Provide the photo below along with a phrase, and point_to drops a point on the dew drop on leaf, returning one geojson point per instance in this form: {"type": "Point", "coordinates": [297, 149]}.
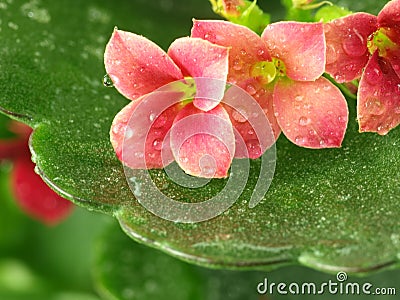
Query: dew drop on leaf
{"type": "Point", "coordinates": [107, 82]}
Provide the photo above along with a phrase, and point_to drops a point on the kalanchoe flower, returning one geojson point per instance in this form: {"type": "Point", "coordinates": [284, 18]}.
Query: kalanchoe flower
{"type": "Point", "coordinates": [366, 46]}
{"type": "Point", "coordinates": [34, 197]}
{"type": "Point", "coordinates": [138, 69]}
{"type": "Point", "coordinates": [282, 70]}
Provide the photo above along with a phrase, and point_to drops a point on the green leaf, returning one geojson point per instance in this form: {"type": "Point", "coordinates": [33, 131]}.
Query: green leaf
{"type": "Point", "coordinates": [125, 270]}
{"type": "Point", "coordinates": [249, 15]}
{"type": "Point", "coordinates": [333, 209]}
{"type": "Point", "coordinates": [329, 13]}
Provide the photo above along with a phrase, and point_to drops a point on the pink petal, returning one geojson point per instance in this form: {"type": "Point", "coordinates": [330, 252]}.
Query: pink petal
{"type": "Point", "coordinates": [202, 60]}
{"type": "Point", "coordinates": [378, 106]}
{"type": "Point", "coordinates": [301, 46]}
{"type": "Point", "coordinates": [136, 65]}
{"type": "Point", "coordinates": [34, 196]}
{"type": "Point", "coordinates": [389, 16]}
{"type": "Point", "coordinates": [247, 48]}
{"type": "Point", "coordinates": [311, 114]}
{"type": "Point", "coordinates": [346, 43]}
{"type": "Point", "coordinates": [253, 120]}
{"type": "Point", "coordinates": [203, 143]}
{"type": "Point", "coordinates": [138, 130]}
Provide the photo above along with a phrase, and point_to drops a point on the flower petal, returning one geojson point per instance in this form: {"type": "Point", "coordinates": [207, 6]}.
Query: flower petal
{"type": "Point", "coordinates": [203, 143]}
{"type": "Point", "coordinates": [247, 48]}
{"type": "Point", "coordinates": [253, 120]}
{"type": "Point", "coordinates": [301, 46]}
{"type": "Point", "coordinates": [378, 108]}
{"type": "Point", "coordinates": [136, 65]}
{"type": "Point", "coordinates": [346, 45]}
{"type": "Point", "coordinates": [389, 16]}
{"type": "Point", "coordinates": [138, 130]}
{"type": "Point", "coordinates": [311, 114]}
{"type": "Point", "coordinates": [202, 60]}
{"type": "Point", "coordinates": [34, 196]}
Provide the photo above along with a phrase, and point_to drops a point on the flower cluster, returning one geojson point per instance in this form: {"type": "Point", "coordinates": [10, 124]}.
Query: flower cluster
{"type": "Point", "coordinates": [281, 69]}
{"type": "Point", "coordinates": [368, 46]}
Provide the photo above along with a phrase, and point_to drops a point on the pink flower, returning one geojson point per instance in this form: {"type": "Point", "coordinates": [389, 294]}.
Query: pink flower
{"type": "Point", "coordinates": [31, 193]}
{"type": "Point", "coordinates": [282, 70]}
{"type": "Point", "coordinates": [138, 69]}
{"type": "Point", "coordinates": [366, 46]}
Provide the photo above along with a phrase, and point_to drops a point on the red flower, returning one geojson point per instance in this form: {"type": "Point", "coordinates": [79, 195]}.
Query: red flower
{"type": "Point", "coordinates": [138, 68]}
{"type": "Point", "coordinates": [366, 46]}
{"type": "Point", "coordinates": [282, 70]}
{"type": "Point", "coordinates": [34, 197]}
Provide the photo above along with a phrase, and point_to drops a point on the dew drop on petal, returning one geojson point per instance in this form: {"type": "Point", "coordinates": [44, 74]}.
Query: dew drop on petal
{"type": "Point", "coordinates": [374, 106]}
{"type": "Point", "coordinates": [299, 139]}
{"type": "Point", "coordinates": [253, 146]}
{"type": "Point", "coordinates": [304, 121]}
{"type": "Point", "coordinates": [397, 110]}
{"type": "Point", "coordinates": [331, 55]}
{"type": "Point", "coordinates": [354, 45]}
{"type": "Point", "coordinates": [240, 114]}
{"type": "Point", "coordinates": [251, 89]}
{"type": "Point", "coordinates": [237, 64]}
{"type": "Point", "coordinates": [157, 144]}
{"type": "Point", "coordinates": [373, 76]}
{"type": "Point", "coordinates": [152, 116]}
{"type": "Point", "coordinates": [299, 98]}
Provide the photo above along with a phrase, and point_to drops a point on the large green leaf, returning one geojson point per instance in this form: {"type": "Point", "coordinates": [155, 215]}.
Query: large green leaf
{"type": "Point", "coordinates": [330, 209]}
{"type": "Point", "coordinates": [127, 271]}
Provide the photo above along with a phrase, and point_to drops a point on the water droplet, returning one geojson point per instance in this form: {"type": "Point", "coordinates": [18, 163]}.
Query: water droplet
{"type": "Point", "coordinates": [251, 89]}
{"type": "Point", "coordinates": [208, 171]}
{"type": "Point", "coordinates": [13, 25]}
{"type": "Point", "coordinates": [250, 132]}
{"type": "Point", "coordinates": [397, 110]}
{"type": "Point", "coordinates": [107, 82]}
{"type": "Point", "coordinates": [152, 116]}
{"type": "Point", "coordinates": [322, 142]}
{"type": "Point", "coordinates": [139, 154]}
{"type": "Point", "coordinates": [299, 98]}
{"type": "Point", "coordinates": [312, 132]}
{"type": "Point", "coordinates": [331, 54]}
{"type": "Point", "coordinates": [375, 107]}
{"type": "Point", "coordinates": [157, 144]}
{"type": "Point", "coordinates": [243, 52]}
{"type": "Point", "coordinates": [142, 69]}
{"type": "Point", "coordinates": [373, 76]}
{"type": "Point", "coordinates": [240, 114]}
{"type": "Point", "coordinates": [342, 119]}
{"type": "Point", "coordinates": [254, 148]}
{"type": "Point", "coordinates": [237, 64]}
{"type": "Point", "coordinates": [354, 45]}
{"type": "Point", "coordinates": [184, 159]}
{"type": "Point", "coordinates": [260, 52]}
{"type": "Point", "coordinates": [304, 121]}
{"type": "Point", "coordinates": [299, 140]}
